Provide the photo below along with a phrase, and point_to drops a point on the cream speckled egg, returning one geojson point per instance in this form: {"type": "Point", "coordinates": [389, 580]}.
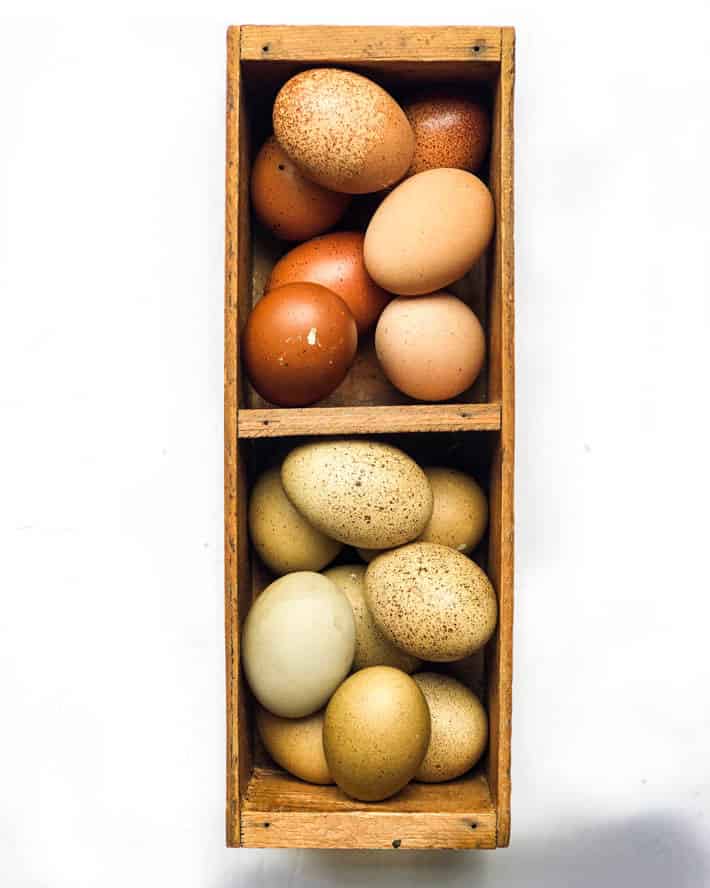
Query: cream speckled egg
{"type": "Point", "coordinates": [460, 512]}
{"type": "Point", "coordinates": [431, 601]}
{"type": "Point", "coordinates": [363, 493]}
{"type": "Point", "coordinates": [296, 744]}
{"type": "Point", "coordinates": [298, 643]}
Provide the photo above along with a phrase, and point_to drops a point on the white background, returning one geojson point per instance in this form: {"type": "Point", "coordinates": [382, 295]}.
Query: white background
{"type": "Point", "coordinates": [111, 658]}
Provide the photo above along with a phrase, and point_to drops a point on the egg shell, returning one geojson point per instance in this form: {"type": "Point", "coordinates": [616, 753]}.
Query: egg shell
{"type": "Point", "coordinates": [335, 261]}
{"type": "Point", "coordinates": [369, 554]}
{"type": "Point", "coordinates": [343, 130]}
{"type": "Point", "coordinates": [430, 347]}
{"type": "Point", "coordinates": [298, 643]}
{"type": "Point", "coordinates": [429, 232]}
{"type": "Point", "coordinates": [282, 537]}
{"type": "Point", "coordinates": [470, 671]}
{"type": "Point", "coordinates": [431, 601]}
{"type": "Point", "coordinates": [363, 493]}
{"type": "Point", "coordinates": [450, 130]}
{"type": "Point", "coordinates": [371, 646]}
{"type": "Point", "coordinates": [298, 344]}
{"type": "Point", "coordinates": [376, 733]}
{"type": "Point", "coordinates": [460, 513]}
{"type": "Point", "coordinates": [459, 728]}
{"type": "Point", "coordinates": [291, 206]}
{"type": "Point", "coordinates": [296, 744]}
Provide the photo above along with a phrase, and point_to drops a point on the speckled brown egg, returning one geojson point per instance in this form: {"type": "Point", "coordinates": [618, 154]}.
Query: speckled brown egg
{"type": "Point", "coordinates": [450, 130]}
{"type": "Point", "coordinates": [298, 344]}
{"type": "Point", "coordinates": [335, 261]}
{"type": "Point", "coordinates": [459, 728]}
{"type": "Point", "coordinates": [460, 512]}
{"type": "Point", "coordinates": [291, 206]}
{"type": "Point", "coordinates": [343, 130]}
{"type": "Point", "coordinates": [282, 537]}
{"type": "Point", "coordinates": [296, 744]}
{"type": "Point", "coordinates": [363, 493]}
{"type": "Point", "coordinates": [431, 601]}
{"type": "Point", "coordinates": [371, 647]}
{"type": "Point", "coordinates": [376, 733]}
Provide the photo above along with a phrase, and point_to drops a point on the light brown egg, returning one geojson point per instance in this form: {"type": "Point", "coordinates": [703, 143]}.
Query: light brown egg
{"type": "Point", "coordinates": [376, 733]}
{"type": "Point", "coordinates": [282, 537]}
{"type": "Point", "coordinates": [429, 232]}
{"type": "Point", "coordinates": [290, 205]}
{"type": "Point", "coordinates": [335, 261]}
{"type": "Point", "coordinates": [459, 728]}
{"type": "Point", "coordinates": [298, 344]}
{"type": "Point", "coordinates": [296, 744]}
{"type": "Point", "coordinates": [460, 512]}
{"type": "Point", "coordinates": [431, 601]}
{"type": "Point", "coordinates": [363, 493]}
{"type": "Point", "coordinates": [450, 130]}
{"type": "Point", "coordinates": [430, 347]}
{"type": "Point", "coordinates": [343, 130]}
{"type": "Point", "coordinates": [371, 647]}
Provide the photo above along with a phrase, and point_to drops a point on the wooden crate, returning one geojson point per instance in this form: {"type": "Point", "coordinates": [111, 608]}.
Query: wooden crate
{"type": "Point", "coordinates": [265, 806]}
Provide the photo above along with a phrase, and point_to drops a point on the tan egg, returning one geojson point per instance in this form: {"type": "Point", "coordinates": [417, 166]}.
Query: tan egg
{"type": "Point", "coordinates": [376, 733]}
{"type": "Point", "coordinates": [430, 347]}
{"type": "Point", "coordinates": [450, 130]}
{"type": "Point", "coordinates": [431, 601]}
{"type": "Point", "coordinates": [296, 744]}
{"type": "Point", "coordinates": [471, 670]}
{"type": "Point", "coordinates": [459, 728]}
{"type": "Point", "coordinates": [343, 130]}
{"type": "Point", "coordinates": [460, 511]}
{"type": "Point", "coordinates": [429, 232]}
{"type": "Point", "coordinates": [282, 537]}
{"type": "Point", "coordinates": [363, 493]}
{"type": "Point", "coordinates": [371, 647]}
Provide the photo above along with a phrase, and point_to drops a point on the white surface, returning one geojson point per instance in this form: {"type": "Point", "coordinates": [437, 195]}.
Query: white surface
{"type": "Point", "coordinates": [111, 664]}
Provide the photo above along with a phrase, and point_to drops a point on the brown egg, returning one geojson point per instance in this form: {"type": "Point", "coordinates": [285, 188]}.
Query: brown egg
{"type": "Point", "coordinates": [343, 130]}
{"type": "Point", "coordinates": [376, 733]}
{"type": "Point", "coordinates": [296, 744]}
{"type": "Point", "coordinates": [431, 347]}
{"type": "Point", "coordinates": [290, 205]}
{"type": "Point", "coordinates": [298, 344]}
{"type": "Point", "coordinates": [335, 261]}
{"type": "Point", "coordinates": [450, 130]}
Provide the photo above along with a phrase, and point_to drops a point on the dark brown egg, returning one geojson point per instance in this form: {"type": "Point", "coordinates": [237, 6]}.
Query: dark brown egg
{"type": "Point", "coordinates": [335, 261]}
{"type": "Point", "coordinates": [289, 205]}
{"type": "Point", "coordinates": [450, 130]}
{"type": "Point", "coordinates": [298, 344]}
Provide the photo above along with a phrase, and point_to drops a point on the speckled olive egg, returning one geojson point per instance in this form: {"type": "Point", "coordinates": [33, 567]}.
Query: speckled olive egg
{"type": "Point", "coordinates": [363, 493]}
{"type": "Point", "coordinates": [335, 261]}
{"type": "Point", "coordinates": [298, 643]}
{"type": "Point", "coordinates": [298, 344]}
{"type": "Point", "coordinates": [429, 232]}
{"type": "Point", "coordinates": [459, 728]}
{"type": "Point", "coordinates": [460, 512]}
{"type": "Point", "coordinates": [282, 537]}
{"type": "Point", "coordinates": [376, 733]}
{"type": "Point", "coordinates": [430, 347]}
{"type": "Point", "coordinates": [343, 130]}
{"type": "Point", "coordinates": [431, 601]}
{"type": "Point", "coordinates": [291, 206]}
{"type": "Point", "coordinates": [371, 646]}
{"type": "Point", "coordinates": [450, 130]}
{"type": "Point", "coordinates": [296, 744]}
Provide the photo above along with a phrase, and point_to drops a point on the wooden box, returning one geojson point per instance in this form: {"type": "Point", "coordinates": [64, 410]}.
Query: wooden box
{"type": "Point", "coordinates": [265, 806]}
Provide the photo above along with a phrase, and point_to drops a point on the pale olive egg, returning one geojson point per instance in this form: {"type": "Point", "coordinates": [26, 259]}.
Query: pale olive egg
{"type": "Point", "coordinates": [431, 601]}
{"type": "Point", "coordinates": [298, 643]}
{"type": "Point", "coordinates": [371, 647]}
{"type": "Point", "coordinates": [363, 493]}
{"type": "Point", "coordinates": [343, 130]}
{"type": "Point", "coordinates": [460, 512]}
{"type": "Point", "coordinates": [429, 232]}
{"type": "Point", "coordinates": [282, 537]}
{"type": "Point", "coordinates": [459, 728]}
{"type": "Point", "coordinates": [376, 733]}
{"type": "Point", "coordinates": [296, 744]}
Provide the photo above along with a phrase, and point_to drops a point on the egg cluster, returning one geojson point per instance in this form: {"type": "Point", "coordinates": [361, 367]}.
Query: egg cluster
{"type": "Point", "coordinates": [336, 658]}
{"type": "Point", "coordinates": [338, 135]}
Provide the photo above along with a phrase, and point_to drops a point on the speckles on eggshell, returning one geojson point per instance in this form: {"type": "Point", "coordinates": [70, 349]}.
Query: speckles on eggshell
{"type": "Point", "coordinates": [450, 130]}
